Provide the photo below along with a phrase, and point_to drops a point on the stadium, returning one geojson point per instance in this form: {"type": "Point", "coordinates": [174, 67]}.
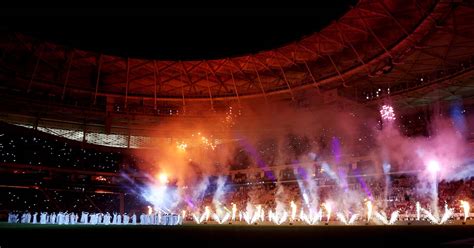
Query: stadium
{"type": "Point", "coordinates": [349, 124]}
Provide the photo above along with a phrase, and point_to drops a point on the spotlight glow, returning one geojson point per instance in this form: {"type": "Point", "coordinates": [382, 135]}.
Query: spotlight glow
{"type": "Point", "coordinates": [433, 166]}
{"type": "Point", "coordinates": [162, 178]}
{"type": "Point", "coordinates": [150, 210]}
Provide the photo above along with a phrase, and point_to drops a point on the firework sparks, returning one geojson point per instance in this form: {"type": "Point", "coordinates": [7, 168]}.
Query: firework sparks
{"type": "Point", "coordinates": [207, 143]}
{"type": "Point", "coordinates": [231, 116]}
{"type": "Point", "coordinates": [387, 113]}
{"type": "Point", "coordinates": [181, 146]}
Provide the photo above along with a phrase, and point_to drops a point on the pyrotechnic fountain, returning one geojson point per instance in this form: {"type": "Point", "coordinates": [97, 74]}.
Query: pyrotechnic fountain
{"type": "Point", "coordinates": [466, 209]}
{"type": "Point", "coordinates": [369, 210]}
{"type": "Point", "coordinates": [220, 220]}
{"type": "Point", "coordinates": [347, 221]}
{"type": "Point", "coordinates": [234, 211]}
{"type": "Point", "coordinates": [312, 217]}
{"type": "Point", "coordinates": [204, 216]}
{"type": "Point", "coordinates": [382, 217]}
{"type": "Point", "coordinates": [448, 212]}
{"type": "Point", "coordinates": [418, 211]}
{"type": "Point", "coordinates": [293, 211]}
{"type": "Point", "coordinates": [433, 168]}
{"type": "Point", "coordinates": [277, 218]}
{"type": "Point", "coordinates": [252, 215]}
{"type": "Point", "coordinates": [328, 208]}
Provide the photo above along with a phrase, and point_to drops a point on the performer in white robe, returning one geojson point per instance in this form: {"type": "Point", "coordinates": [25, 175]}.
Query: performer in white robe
{"type": "Point", "coordinates": [66, 218]}
{"type": "Point", "coordinates": [96, 218]}
{"type": "Point", "coordinates": [53, 218]}
{"type": "Point", "coordinates": [150, 220]}
{"type": "Point", "coordinates": [27, 217]}
{"type": "Point", "coordinates": [92, 219]}
{"type": "Point", "coordinates": [126, 219]}
{"type": "Point", "coordinates": [23, 218]}
{"type": "Point", "coordinates": [60, 218]}
{"type": "Point", "coordinates": [134, 219]}
{"type": "Point", "coordinates": [35, 220]}
{"type": "Point", "coordinates": [11, 217]}
{"type": "Point", "coordinates": [119, 219]}
{"type": "Point", "coordinates": [156, 219]}
{"type": "Point", "coordinates": [114, 220]}
{"type": "Point", "coordinates": [42, 218]}
{"type": "Point", "coordinates": [72, 218]}
{"type": "Point", "coordinates": [85, 217]}
{"type": "Point", "coordinates": [100, 218]}
{"type": "Point", "coordinates": [142, 222]}
{"type": "Point", "coordinates": [107, 219]}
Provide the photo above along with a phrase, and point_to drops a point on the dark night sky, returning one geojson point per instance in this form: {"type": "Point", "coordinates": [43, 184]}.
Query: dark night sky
{"type": "Point", "coordinates": [176, 34]}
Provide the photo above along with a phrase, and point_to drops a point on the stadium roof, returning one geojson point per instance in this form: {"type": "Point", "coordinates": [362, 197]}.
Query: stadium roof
{"type": "Point", "coordinates": [377, 49]}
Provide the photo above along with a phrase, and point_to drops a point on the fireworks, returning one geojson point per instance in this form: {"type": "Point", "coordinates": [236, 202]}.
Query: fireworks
{"type": "Point", "coordinates": [387, 113]}
{"type": "Point", "coordinates": [208, 144]}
